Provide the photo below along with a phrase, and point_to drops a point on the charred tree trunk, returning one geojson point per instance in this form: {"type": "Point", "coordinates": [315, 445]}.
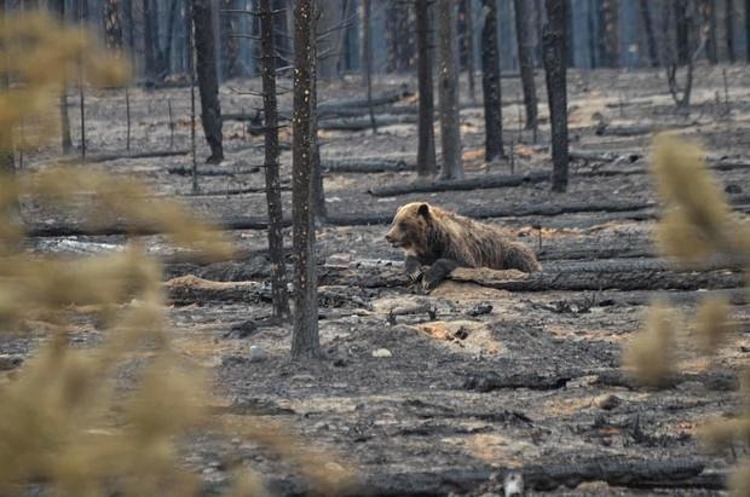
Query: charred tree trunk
{"type": "Point", "coordinates": [682, 30]}
{"type": "Point", "coordinates": [208, 79]}
{"type": "Point", "coordinates": [230, 43]}
{"type": "Point", "coordinates": [112, 24]}
{"type": "Point", "coordinates": [128, 13]}
{"type": "Point", "coordinates": [708, 15]}
{"type": "Point", "coordinates": [493, 117]}
{"type": "Point", "coordinates": [448, 87]}
{"type": "Point", "coordinates": [367, 59]}
{"type": "Point", "coordinates": [747, 30]}
{"type": "Point", "coordinates": [555, 41]}
{"type": "Point", "coordinates": [320, 213]}
{"type": "Point", "coordinates": [280, 297]}
{"type": "Point", "coordinates": [329, 24]}
{"type": "Point", "coordinates": [67, 143]}
{"type": "Point", "coordinates": [305, 339]}
{"type": "Point", "coordinates": [609, 38]}
{"type": "Point", "coordinates": [526, 61]}
{"type": "Point", "coordinates": [648, 27]}
{"type": "Point", "coordinates": [729, 18]}
{"type": "Point", "coordinates": [165, 56]}
{"type": "Point", "coordinates": [467, 47]}
{"type": "Point", "coordinates": [426, 165]}
{"type": "Point", "coordinates": [150, 38]}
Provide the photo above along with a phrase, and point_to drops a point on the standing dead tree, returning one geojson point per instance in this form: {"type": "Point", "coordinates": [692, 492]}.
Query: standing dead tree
{"type": "Point", "coordinates": [305, 339]}
{"type": "Point", "coordinates": [426, 165]}
{"type": "Point", "coordinates": [367, 58]}
{"type": "Point", "coordinates": [448, 90]}
{"type": "Point", "coordinates": [493, 116]}
{"type": "Point", "coordinates": [648, 27]}
{"type": "Point", "coordinates": [467, 45]}
{"type": "Point", "coordinates": [208, 78]}
{"type": "Point", "coordinates": [526, 61]}
{"type": "Point", "coordinates": [67, 143]}
{"type": "Point", "coordinates": [555, 42]}
{"type": "Point", "coordinates": [280, 297]}
{"type": "Point", "coordinates": [682, 95]}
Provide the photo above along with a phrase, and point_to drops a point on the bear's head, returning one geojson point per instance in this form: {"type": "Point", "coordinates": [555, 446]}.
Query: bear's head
{"type": "Point", "coordinates": [410, 228]}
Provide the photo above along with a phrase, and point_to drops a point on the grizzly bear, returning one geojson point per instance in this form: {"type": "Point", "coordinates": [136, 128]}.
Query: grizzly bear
{"type": "Point", "coordinates": [431, 236]}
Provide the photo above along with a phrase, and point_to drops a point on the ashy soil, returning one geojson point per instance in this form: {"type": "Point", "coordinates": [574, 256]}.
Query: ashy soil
{"type": "Point", "coordinates": [443, 393]}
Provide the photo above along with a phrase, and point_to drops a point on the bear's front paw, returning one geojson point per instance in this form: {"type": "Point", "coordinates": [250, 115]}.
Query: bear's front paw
{"type": "Point", "coordinates": [413, 269]}
{"type": "Point", "coordinates": [431, 279]}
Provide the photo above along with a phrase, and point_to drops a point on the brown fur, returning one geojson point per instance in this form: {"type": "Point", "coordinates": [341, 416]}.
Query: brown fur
{"type": "Point", "coordinates": [429, 233]}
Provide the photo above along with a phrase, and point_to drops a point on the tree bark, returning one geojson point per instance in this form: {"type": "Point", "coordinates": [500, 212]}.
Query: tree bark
{"type": "Point", "coordinates": [747, 30]}
{"type": "Point", "coordinates": [208, 79]}
{"type": "Point", "coordinates": [112, 24]}
{"type": "Point", "coordinates": [320, 212]}
{"type": "Point", "coordinates": [367, 59]}
{"type": "Point", "coordinates": [526, 61]}
{"type": "Point", "coordinates": [280, 297]}
{"type": "Point", "coordinates": [448, 88]}
{"type": "Point", "coordinates": [328, 25]}
{"type": "Point", "coordinates": [708, 14]}
{"type": "Point", "coordinates": [682, 30]}
{"type": "Point", "coordinates": [150, 38]}
{"type": "Point", "coordinates": [67, 143]}
{"type": "Point", "coordinates": [305, 339]}
{"type": "Point", "coordinates": [426, 163]}
{"type": "Point", "coordinates": [468, 46]}
{"type": "Point", "coordinates": [555, 41]}
{"type": "Point", "coordinates": [493, 117]}
{"type": "Point", "coordinates": [648, 26]}
{"type": "Point", "coordinates": [729, 18]}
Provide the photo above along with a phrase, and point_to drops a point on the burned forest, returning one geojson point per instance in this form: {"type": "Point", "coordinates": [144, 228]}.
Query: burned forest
{"type": "Point", "coordinates": [375, 248]}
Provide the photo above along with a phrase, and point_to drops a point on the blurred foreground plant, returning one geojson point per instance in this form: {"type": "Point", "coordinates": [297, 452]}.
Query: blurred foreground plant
{"type": "Point", "coordinates": [64, 421]}
{"type": "Point", "coordinates": [697, 223]}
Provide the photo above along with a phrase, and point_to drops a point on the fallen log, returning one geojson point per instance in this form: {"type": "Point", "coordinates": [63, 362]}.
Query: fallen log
{"type": "Point", "coordinates": [213, 171]}
{"type": "Point", "coordinates": [633, 210]}
{"type": "Point", "coordinates": [488, 382]}
{"type": "Point", "coordinates": [603, 156]}
{"type": "Point", "coordinates": [363, 111]}
{"type": "Point", "coordinates": [106, 157]}
{"type": "Point", "coordinates": [615, 470]}
{"type": "Point", "coordinates": [362, 123]}
{"type": "Point", "coordinates": [606, 129]}
{"type": "Point", "coordinates": [385, 98]}
{"type": "Point", "coordinates": [366, 166]}
{"type": "Point", "coordinates": [617, 274]}
{"type": "Point", "coordinates": [474, 183]}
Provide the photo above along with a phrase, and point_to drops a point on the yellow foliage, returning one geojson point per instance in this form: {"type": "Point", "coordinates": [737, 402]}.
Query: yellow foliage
{"type": "Point", "coordinates": [648, 356]}
{"type": "Point", "coordinates": [62, 419]}
{"type": "Point", "coordinates": [712, 323]}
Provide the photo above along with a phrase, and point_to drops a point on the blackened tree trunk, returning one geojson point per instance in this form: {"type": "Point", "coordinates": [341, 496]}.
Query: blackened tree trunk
{"type": "Point", "coordinates": [648, 27]}
{"type": "Point", "coordinates": [708, 15]}
{"type": "Point", "coordinates": [165, 56]}
{"type": "Point", "coordinates": [280, 297]}
{"type": "Point", "coordinates": [468, 46]}
{"type": "Point", "coordinates": [67, 143]}
{"type": "Point", "coordinates": [112, 24]}
{"type": "Point", "coordinates": [130, 26]}
{"type": "Point", "coordinates": [328, 27]}
{"type": "Point", "coordinates": [731, 55]}
{"type": "Point", "coordinates": [229, 41]}
{"type": "Point", "coordinates": [150, 38]}
{"type": "Point", "coordinates": [555, 40]}
{"type": "Point", "coordinates": [682, 30]}
{"type": "Point", "coordinates": [493, 117]}
{"type": "Point", "coordinates": [367, 58]}
{"type": "Point", "coordinates": [448, 89]}
{"type": "Point", "coordinates": [305, 339]}
{"type": "Point", "coordinates": [426, 165]}
{"type": "Point", "coordinates": [526, 61]}
{"type": "Point", "coordinates": [747, 30]}
{"type": "Point", "coordinates": [208, 79]}
{"type": "Point", "coordinates": [320, 213]}
{"type": "Point", "coordinates": [609, 38]}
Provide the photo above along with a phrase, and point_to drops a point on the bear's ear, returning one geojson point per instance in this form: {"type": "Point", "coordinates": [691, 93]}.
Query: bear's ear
{"type": "Point", "coordinates": [424, 211]}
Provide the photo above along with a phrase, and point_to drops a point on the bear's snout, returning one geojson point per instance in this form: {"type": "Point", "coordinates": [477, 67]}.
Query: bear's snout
{"type": "Point", "coordinates": [389, 237]}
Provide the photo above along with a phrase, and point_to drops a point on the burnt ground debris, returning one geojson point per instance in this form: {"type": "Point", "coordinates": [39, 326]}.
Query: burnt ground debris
{"type": "Point", "coordinates": [531, 381]}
